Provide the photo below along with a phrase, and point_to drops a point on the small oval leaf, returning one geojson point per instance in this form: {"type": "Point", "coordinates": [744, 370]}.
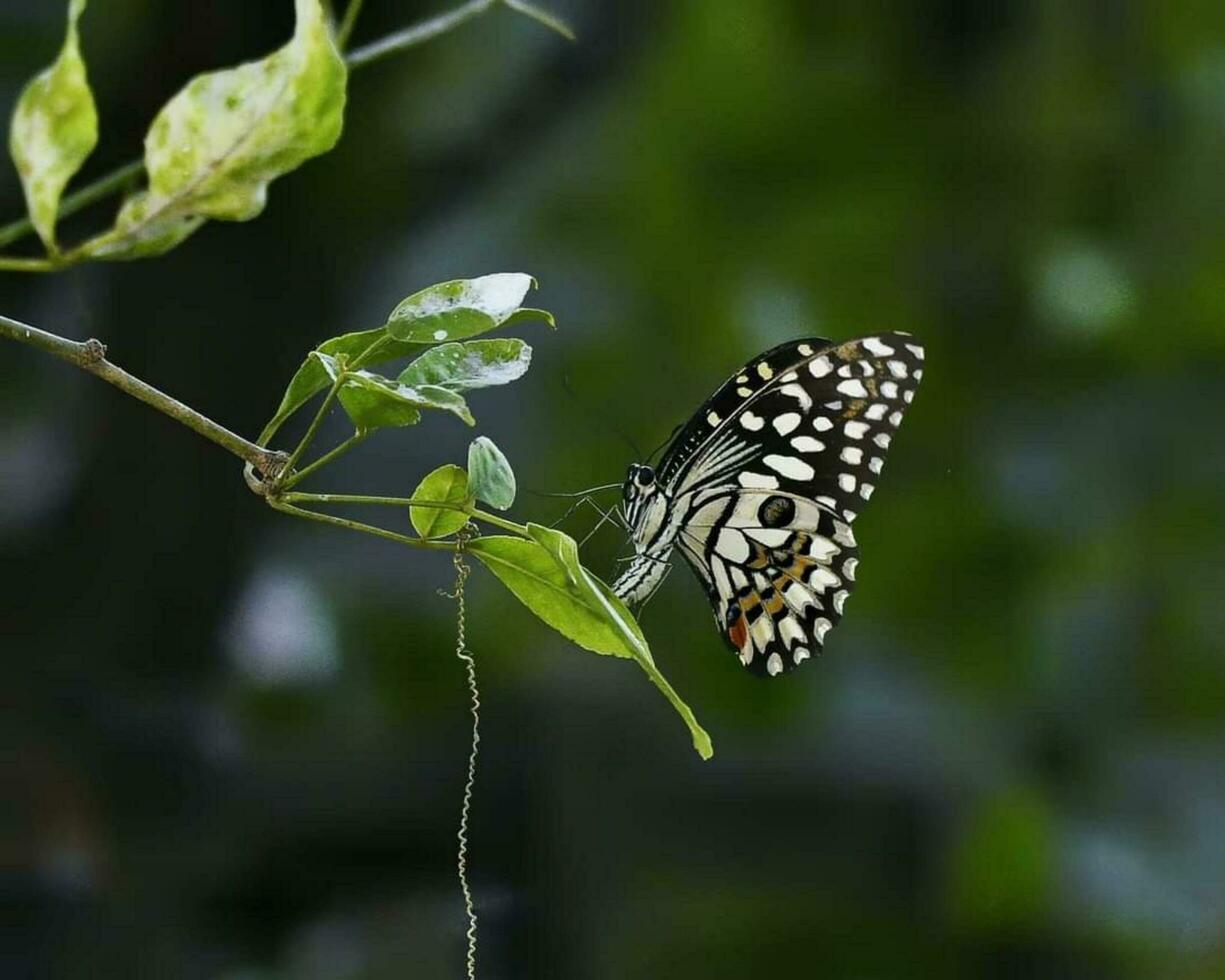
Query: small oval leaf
{"type": "Point", "coordinates": [472, 364]}
{"type": "Point", "coordinates": [215, 146]}
{"type": "Point", "coordinates": [448, 485]}
{"type": "Point", "coordinates": [54, 128]}
{"type": "Point", "coordinates": [490, 477]}
{"type": "Point", "coordinates": [459, 308]}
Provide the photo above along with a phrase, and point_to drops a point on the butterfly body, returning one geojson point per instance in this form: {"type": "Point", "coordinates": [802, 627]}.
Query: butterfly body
{"type": "Point", "coordinates": [760, 489]}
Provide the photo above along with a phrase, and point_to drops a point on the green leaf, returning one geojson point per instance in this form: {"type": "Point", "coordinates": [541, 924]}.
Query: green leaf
{"type": "Point", "coordinates": [311, 378]}
{"type": "Point", "coordinates": [546, 576]}
{"type": "Point", "coordinates": [460, 308]}
{"type": "Point", "coordinates": [374, 401]}
{"type": "Point", "coordinates": [490, 477]}
{"type": "Point", "coordinates": [215, 146]}
{"type": "Point", "coordinates": [54, 129]}
{"type": "Point", "coordinates": [472, 364]}
{"type": "Point", "coordinates": [526, 314]}
{"type": "Point", "coordinates": [449, 485]}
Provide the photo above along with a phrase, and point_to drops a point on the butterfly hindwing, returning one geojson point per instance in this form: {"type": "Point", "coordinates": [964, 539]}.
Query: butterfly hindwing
{"type": "Point", "coordinates": [777, 568]}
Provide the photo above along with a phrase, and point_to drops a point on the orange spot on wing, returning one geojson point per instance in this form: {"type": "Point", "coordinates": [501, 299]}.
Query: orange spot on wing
{"type": "Point", "coordinates": [738, 632]}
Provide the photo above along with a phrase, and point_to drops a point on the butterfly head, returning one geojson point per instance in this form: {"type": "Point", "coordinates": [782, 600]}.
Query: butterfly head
{"type": "Point", "coordinates": [640, 487]}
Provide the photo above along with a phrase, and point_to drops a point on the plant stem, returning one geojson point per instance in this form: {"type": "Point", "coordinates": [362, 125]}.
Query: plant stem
{"type": "Point", "coordinates": [278, 503]}
{"type": "Point", "coordinates": [314, 426]}
{"type": "Point", "coordinates": [323, 460]}
{"type": "Point", "coordinates": [501, 522]}
{"type": "Point", "coordinates": [416, 34]}
{"type": "Point", "coordinates": [358, 498]}
{"type": "Point", "coordinates": [100, 188]}
{"type": "Point", "coordinates": [361, 498]}
{"type": "Point", "coordinates": [555, 24]}
{"type": "Point", "coordinates": [11, 263]}
{"type": "Point", "coordinates": [409, 37]}
{"type": "Point", "coordinates": [347, 23]}
{"type": "Point", "coordinates": [91, 356]}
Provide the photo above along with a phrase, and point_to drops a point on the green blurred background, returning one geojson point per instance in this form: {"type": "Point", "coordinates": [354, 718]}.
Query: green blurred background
{"type": "Point", "coordinates": [237, 741]}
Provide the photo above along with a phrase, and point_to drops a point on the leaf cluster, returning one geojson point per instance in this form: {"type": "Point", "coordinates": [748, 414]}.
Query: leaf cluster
{"type": "Point", "coordinates": [435, 330]}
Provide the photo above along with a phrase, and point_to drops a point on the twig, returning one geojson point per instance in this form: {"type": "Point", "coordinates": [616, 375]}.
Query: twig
{"type": "Point", "coordinates": [91, 356]}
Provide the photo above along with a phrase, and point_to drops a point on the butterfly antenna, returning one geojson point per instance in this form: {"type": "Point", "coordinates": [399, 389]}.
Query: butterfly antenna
{"type": "Point", "coordinates": [575, 493]}
{"type": "Point", "coordinates": [600, 422]}
{"type": "Point", "coordinates": [671, 435]}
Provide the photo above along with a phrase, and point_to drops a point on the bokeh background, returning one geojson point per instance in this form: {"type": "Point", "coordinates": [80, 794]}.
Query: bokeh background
{"type": "Point", "coordinates": [235, 742]}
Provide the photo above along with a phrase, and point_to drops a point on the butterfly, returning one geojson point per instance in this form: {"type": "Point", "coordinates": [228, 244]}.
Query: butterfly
{"type": "Point", "coordinates": [760, 489]}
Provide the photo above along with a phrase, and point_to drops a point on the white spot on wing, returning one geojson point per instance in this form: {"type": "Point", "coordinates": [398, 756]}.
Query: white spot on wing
{"type": "Point", "coordinates": [916, 350]}
{"type": "Point", "coordinates": [804, 349]}
{"type": "Point", "coordinates": [797, 392]}
{"type": "Point", "coordinates": [821, 547]}
{"type": "Point", "coordinates": [789, 466]}
{"type": "Point", "coordinates": [752, 422]}
{"type": "Point", "coordinates": [897, 369]}
{"type": "Point", "coordinates": [764, 371]}
{"type": "Point", "coordinates": [821, 578]}
{"type": "Point", "coordinates": [820, 367]}
{"type": "Point", "coordinates": [854, 388]}
{"type": "Point", "coordinates": [876, 412]}
{"type": "Point", "coordinates": [713, 418]}
{"type": "Point", "coordinates": [822, 424]}
{"type": "Point", "coordinates": [774, 665]}
{"type": "Point", "coordinates": [807, 444]}
{"type": "Point", "coordinates": [732, 545]}
{"type": "Point", "coordinates": [852, 455]}
{"type": "Point", "coordinates": [855, 430]}
{"type": "Point", "coordinates": [876, 346]}
{"type": "Point", "coordinates": [758, 481]}
{"type": "Point", "coordinates": [846, 481]}
{"type": "Point", "coordinates": [786, 422]}
{"type": "Point", "coordinates": [771, 537]}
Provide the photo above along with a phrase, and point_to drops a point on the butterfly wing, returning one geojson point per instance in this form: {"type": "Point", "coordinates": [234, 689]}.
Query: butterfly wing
{"type": "Point", "coordinates": [771, 473]}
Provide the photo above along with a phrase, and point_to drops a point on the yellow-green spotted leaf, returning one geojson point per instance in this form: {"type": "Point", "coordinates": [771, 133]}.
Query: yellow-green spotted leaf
{"type": "Point", "coordinates": [490, 477]}
{"type": "Point", "coordinates": [545, 574]}
{"type": "Point", "coordinates": [215, 146]}
{"type": "Point", "coordinates": [447, 485]}
{"type": "Point", "coordinates": [54, 128]}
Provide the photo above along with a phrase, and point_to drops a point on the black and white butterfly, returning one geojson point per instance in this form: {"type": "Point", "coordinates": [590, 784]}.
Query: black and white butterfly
{"type": "Point", "coordinates": [760, 489]}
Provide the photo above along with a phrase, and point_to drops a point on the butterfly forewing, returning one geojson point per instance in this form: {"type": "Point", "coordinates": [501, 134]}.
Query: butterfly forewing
{"type": "Point", "coordinates": [768, 477]}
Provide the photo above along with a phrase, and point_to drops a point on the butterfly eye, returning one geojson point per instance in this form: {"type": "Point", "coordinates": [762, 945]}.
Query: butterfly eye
{"type": "Point", "coordinates": [644, 476]}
